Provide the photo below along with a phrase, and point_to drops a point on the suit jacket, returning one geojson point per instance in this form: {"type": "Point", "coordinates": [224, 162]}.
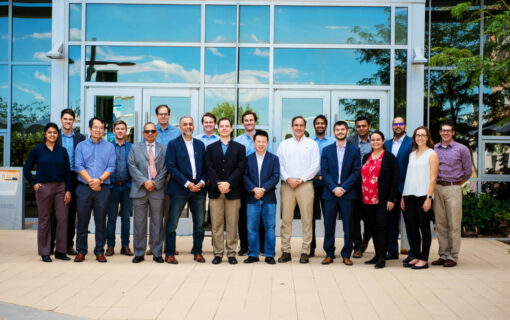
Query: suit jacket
{"type": "Point", "coordinates": [229, 167]}
{"type": "Point", "coordinates": [269, 176]}
{"type": "Point", "coordinates": [353, 139]}
{"type": "Point", "coordinates": [179, 166]}
{"type": "Point", "coordinates": [389, 177]}
{"type": "Point", "coordinates": [77, 138]}
{"type": "Point", "coordinates": [349, 176]}
{"type": "Point", "coordinates": [138, 163]}
{"type": "Point", "coordinates": [402, 157]}
{"type": "Point", "coordinates": [114, 174]}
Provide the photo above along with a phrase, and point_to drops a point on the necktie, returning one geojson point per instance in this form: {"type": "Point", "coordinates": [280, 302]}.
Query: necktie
{"type": "Point", "coordinates": [152, 163]}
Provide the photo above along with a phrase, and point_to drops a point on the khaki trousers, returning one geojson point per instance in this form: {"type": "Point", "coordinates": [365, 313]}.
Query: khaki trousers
{"type": "Point", "coordinates": [223, 210]}
{"type": "Point", "coordinates": [448, 214]}
{"type": "Point", "coordinates": [303, 195]}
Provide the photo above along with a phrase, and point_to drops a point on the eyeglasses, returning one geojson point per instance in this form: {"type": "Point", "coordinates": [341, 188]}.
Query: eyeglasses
{"type": "Point", "coordinates": [163, 114]}
{"type": "Point", "coordinates": [149, 131]}
{"type": "Point", "coordinates": [422, 136]}
{"type": "Point", "coordinates": [398, 124]}
{"type": "Point", "coordinates": [97, 128]}
{"type": "Point", "coordinates": [446, 131]}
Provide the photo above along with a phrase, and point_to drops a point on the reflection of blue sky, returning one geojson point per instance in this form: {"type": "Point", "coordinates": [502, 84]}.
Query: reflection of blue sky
{"type": "Point", "coordinates": [179, 106]}
{"type": "Point", "coordinates": [215, 97]}
{"type": "Point", "coordinates": [321, 66]}
{"type": "Point", "coordinates": [400, 25]}
{"type": "Point", "coordinates": [75, 21]}
{"type": "Point", "coordinates": [220, 65]}
{"type": "Point", "coordinates": [258, 99]}
{"type": "Point", "coordinates": [124, 109]}
{"type": "Point", "coordinates": [308, 108]}
{"type": "Point", "coordinates": [4, 91]}
{"type": "Point", "coordinates": [31, 36]}
{"type": "Point", "coordinates": [74, 78]}
{"type": "Point", "coordinates": [253, 65]}
{"type": "Point", "coordinates": [153, 64]}
{"type": "Point", "coordinates": [4, 30]}
{"type": "Point", "coordinates": [254, 24]}
{"type": "Point", "coordinates": [31, 85]}
{"type": "Point", "coordinates": [328, 24]}
{"type": "Point", "coordinates": [220, 23]}
{"type": "Point", "coordinates": [131, 22]}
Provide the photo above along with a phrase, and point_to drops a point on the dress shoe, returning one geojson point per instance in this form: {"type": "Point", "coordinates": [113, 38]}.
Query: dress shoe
{"type": "Point", "coordinates": [449, 263]}
{"type": "Point", "coordinates": [312, 254]}
{"type": "Point", "coordinates": [304, 258]}
{"type": "Point", "coordinates": [284, 257]}
{"type": "Point", "coordinates": [392, 256]}
{"type": "Point", "coordinates": [101, 258]}
{"type": "Point", "coordinates": [242, 252]}
{"type": "Point", "coordinates": [61, 256]}
{"type": "Point", "coordinates": [372, 261]}
{"type": "Point", "coordinates": [126, 251]}
{"type": "Point", "coordinates": [415, 267]}
{"type": "Point", "coordinates": [71, 251]}
{"type": "Point", "coordinates": [232, 260]}
{"type": "Point", "coordinates": [149, 252]}
{"type": "Point", "coordinates": [138, 259]}
{"type": "Point", "coordinates": [251, 259]}
{"type": "Point", "coordinates": [408, 259]}
{"type": "Point", "coordinates": [46, 258]}
{"type": "Point", "coordinates": [79, 257]}
{"type": "Point", "coordinates": [262, 252]}
{"type": "Point", "coordinates": [158, 259]}
{"type": "Point", "coordinates": [269, 260]}
{"type": "Point", "coordinates": [327, 260]}
{"type": "Point", "coordinates": [216, 260]}
{"type": "Point", "coordinates": [357, 254]}
{"type": "Point", "coordinates": [365, 245]}
{"type": "Point", "coordinates": [408, 265]}
{"type": "Point", "coordinates": [380, 264]}
{"type": "Point", "coordinates": [347, 262]}
{"type": "Point", "coordinates": [171, 259]}
{"type": "Point", "coordinates": [199, 258]}
{"type": "Point", "coordinates": [438, 262]}
{"type": "Point", "coordinates": [109, 252]}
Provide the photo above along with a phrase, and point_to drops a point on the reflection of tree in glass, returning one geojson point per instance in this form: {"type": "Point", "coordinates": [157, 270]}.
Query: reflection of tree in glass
{"type": "Point", "coordinates": [3, 113]}
{"type": "Point", "coordinates": [362, 35]}
{"type": "Point", "coordinates": [362, 107]}
{"type": "Point", "coordinates": [227, 109]}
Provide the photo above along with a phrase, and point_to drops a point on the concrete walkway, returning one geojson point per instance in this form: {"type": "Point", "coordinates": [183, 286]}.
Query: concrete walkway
{"type": "Point", "coordinates": [478, 288]}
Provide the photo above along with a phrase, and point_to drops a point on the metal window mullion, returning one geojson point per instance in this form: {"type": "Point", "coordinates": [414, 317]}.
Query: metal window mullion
{"type": "Point", "coordinates": [236, 75]}
{"type": "Point", "coordinates": [392, 66]}
{"type": "Point", "coordinates": [271, 111]}
{"type": "Point", "coordinates": [7, 140]}
{"type": "Point", "coordinates": [201, 92]}
{"type": "Point", "coordinates": [481, 155]}
{"type": "Point", "coordinates": [83, 58]}
{"type": "Point", "coordinates": [428, 69]}
{"type": "Point", "coordinates": [67, 15]}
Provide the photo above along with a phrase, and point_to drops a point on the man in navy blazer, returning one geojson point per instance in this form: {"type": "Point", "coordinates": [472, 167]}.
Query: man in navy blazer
{"type": "Point", "coordinates": [260, 179]}
{"type": "Point", "coordinates": [185, 163]}
{"type": "Point", "coordinates": [401, 146]}
{"type": "Point", "coordinates": [340, 167]}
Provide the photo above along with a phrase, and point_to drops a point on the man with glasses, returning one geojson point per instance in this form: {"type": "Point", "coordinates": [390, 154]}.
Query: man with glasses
{"type": "Point", "coordinates": [455, 168]}
{"type": "Point", "coordinates": [94, 162]}
{"type": "Point", "coordinates": [401, 146]}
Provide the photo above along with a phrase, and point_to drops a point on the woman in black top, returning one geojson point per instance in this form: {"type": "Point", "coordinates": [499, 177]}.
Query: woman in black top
{"type": "Point", "coordinates": [52, 187]}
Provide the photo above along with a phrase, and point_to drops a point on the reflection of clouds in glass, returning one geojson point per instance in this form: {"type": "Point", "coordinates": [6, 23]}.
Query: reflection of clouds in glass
{"type": "Point", "coordinates": [42, 77]}
{"type": "Point", "coordinates": [249, 95]}
{"type": "Point", "coordinates": [219, 38]}
{"type": "Point", "coordinates": [290, 72]}
{"type": "Point", "coordinates": [32, 92]}
{"type": "Point", "coordinates": [41, 56]}
{"type": "Point", "coordinates": [253, 76]}
{"type": "Point", "coordinates": [220, 94]}
{"type": "Point", "coordinates": [218, 21]}
{"type": "Point", "coordinates": [75, 8]}
{"type": "Point", "coordinates": [221, 78]}
{"type": "Point", "coordinates": [337, 27]}
{"type": "Point", "coordinates": [261, 52]}
{"type": "Point", "coordinates": [37, 35]}
{"type": "Point", "coordinates": [254, 38]}
{"type": "Point", "coordinates": [107, 53]}
{"type": "Point", "coordinates": [74, 34]}
{"type": "Point", "coordinates": [215, 51]}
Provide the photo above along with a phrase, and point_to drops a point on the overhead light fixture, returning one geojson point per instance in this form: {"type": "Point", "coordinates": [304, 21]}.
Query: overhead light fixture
{"type": "Point", "coordinates": [57, 52]}
{"type": "Point", "coordinates": [418, 57]}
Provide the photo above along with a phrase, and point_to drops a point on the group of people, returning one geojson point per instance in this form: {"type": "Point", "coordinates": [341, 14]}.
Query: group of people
{"type": "Point", "coordinates": [361, 177]}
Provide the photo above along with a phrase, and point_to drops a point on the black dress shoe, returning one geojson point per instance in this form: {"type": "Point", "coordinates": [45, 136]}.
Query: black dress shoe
{"type": "Point", "coordinates": [380, 264]}
{"type": "Point", "coordinates": [304, 258]}
{"type": "Point", "coordinates": [242, 252]}
{"type": "Point", "coordinates": [46, 258]}
{"type": "Point", "coordinates": [262, 252]}
{"type": "Point", "coordinates": [61, 256]}
{"type": "Point", "coordinates": [408, 265]}
{"type": "Point", "coordinates": [216, 260]}
{"type": "Point", "coordinates": [251, 259]}
{"type": "Point", "coordinates": [71, 251]}
{"type": "Point", "coordinates": [232, 260]}
{"type": "Point", "coordinates": [392, 256]}
{"type": "Point", "coordinates": [372, 261]}
{"type": "Point", "coordinates": [408, 259]}
{"type": "Point", "coordinates": [415, 267]}
{"type": "Point", "coordinates": [269, 260]}
{"type": "Point", "coordinates": [138, 259]}
{"type": "Point", "coordinates": [158, 259]}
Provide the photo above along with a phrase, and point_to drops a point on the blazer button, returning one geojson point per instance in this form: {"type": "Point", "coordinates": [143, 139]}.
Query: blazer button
{"type": "Point", "coordinates": [222, 169]}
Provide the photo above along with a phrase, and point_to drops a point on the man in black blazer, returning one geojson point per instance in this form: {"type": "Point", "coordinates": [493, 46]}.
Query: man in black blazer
{"type": "Point", "coordinates": [225, 163]}
{"type": "Point", "coordinates": [69, 139]}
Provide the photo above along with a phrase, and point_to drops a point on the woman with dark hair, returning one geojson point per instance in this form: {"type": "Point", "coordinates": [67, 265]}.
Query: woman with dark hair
{"type": "Point", "coordinates": [417, 196]}
{"type": "Point", "coordinates": [52, 187]}
{"type": "Point", "coordinates": [379, 183]}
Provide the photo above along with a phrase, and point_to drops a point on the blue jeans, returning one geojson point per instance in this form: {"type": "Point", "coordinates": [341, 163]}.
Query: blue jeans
{"type": "Point", "coordinates": [119, 195]}
{"type": "Point", "coordinates": [331, 209]}
{"type": "Point", "coordinates": [197, 207]}
{"type": "Point", "coordinates": [268, 213]}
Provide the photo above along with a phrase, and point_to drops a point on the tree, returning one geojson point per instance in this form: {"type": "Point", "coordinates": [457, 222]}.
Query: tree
{"type": "Point", "coordinates": [227, 109]}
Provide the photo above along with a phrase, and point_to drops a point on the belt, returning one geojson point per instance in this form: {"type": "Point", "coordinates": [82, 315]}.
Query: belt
{"type": "Point", "coordinates": [120, 183]}
{"type": "Point", "coordinates": [449, 183]}
{"type": "Point", "coordinates": [317, 178]}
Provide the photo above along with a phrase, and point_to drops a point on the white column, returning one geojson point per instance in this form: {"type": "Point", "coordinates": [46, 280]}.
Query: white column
{"type": "Point", "coordinates": [58, 94]}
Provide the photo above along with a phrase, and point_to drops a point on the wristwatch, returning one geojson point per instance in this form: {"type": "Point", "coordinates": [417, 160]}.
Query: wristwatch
{"type": "Point", "coordinates": [429, 197]}
{"type": "Point", "coordinates": [101, 180]}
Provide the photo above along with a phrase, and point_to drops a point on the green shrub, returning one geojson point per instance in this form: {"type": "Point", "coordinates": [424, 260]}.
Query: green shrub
{"type": "Point", "coordinates": [490, 216]}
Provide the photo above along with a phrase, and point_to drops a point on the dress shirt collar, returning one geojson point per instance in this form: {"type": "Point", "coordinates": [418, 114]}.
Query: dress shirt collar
{"type": "Point", "coordinates": [361, 141]}
{"type": "Point", "coordinates": [399, 140]}
{"type": "Point", "coordinates": [342, 148]}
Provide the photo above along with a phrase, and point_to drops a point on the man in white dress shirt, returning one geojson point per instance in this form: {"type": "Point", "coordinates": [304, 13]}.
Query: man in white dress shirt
{"type": "Point", "coordinates": [299, 163]}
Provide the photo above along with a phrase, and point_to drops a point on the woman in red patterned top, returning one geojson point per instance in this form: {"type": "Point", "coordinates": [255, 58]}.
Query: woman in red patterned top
{"type": "Point", "coordinates": [379, 183]}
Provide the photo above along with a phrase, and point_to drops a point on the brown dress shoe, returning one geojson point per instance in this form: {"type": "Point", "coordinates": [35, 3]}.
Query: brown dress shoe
{"type": "Point", "coordinates": [171, 259]}
{"type": "Point", "coordinates": [79, 257]}
{"type": "Point", "coordinates": [449, 264]}
{"type": "Point", "coordinates": [347, 262]}
{"type": "Point", "coordinates": [126, 251]}
{"type": "Point", "coordinates": [109, 252]}
{"type": "Point", "coordinates": [149, 252]}
{"type": "Point", "coordinates": [101, 258]}
{"type": "Point", "coordinates": [438, 262]}
{"type": "Point", "coordinates": [71, 251]}
{"type": "Point", "coordinates": [199, 258]}
{"type": "Point", "coordinates": [357, 254]}
{"type": "Point", "coordinates": [327, 260]}
{"type": "Point", "coordinates": [285, 257]}
{"type": "Point", "coordinates": [304, 258]}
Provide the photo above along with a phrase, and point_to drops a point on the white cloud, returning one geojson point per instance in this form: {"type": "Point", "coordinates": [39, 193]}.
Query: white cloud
{"type": "Point", "coordinates": [254, 38]}
{"type": "Point", "coordinates": [42, 77]}
{"type": "Point", "coordinates": [35, 94]}
{"type": "Point", "coordinates": [41, 56]}
{"type": "Point", "coordinates": [220, 94]}
{"type": "Point", "coordinates": [218, 21]}
{"type": "Point", "coordinates": [216, 52]}
{"type": "Point", "coordinates": [108, 54]}
{"type": "Point", "coordinates": [261, 52]}
{"type": "Point", "coordinates": [75, 8]}
{"type": "Point", "coordinates": [250, 95]}
{"type": "Point", "coordinates": [337, 27]}
{"type": "Point", "coordinates": [291, 72]}
{"type": "Point", "coordinates": [74, 34]}
{"type": "Point", "coordinates": [74, 69]}
{"type": "Point", "coordinates": [219, 38]}
{"type": "Point", "coordinates": [37, 35]}
{"type": "Point", "coordinates": [5, 37]}
{"type": "Point", "coordinates": [221, 78]}
{"type": "Point", "coordinates": [253, 76]}
{"type": "Point", "coordinates": [3, 86]}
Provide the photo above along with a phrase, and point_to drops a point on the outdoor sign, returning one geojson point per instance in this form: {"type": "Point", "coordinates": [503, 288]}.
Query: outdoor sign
{"type": "Point", "coordinates": [12, 210]}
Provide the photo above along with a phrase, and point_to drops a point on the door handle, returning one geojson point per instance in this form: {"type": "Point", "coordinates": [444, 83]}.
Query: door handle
{"type": "Point", "coordinates": [146, 117]}
{"type": "Point", "coordinates": [135, 131]}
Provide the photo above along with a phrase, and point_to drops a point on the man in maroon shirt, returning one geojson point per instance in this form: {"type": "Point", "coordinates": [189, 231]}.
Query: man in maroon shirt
{"type": "Point", "coordinates": [455, 169]}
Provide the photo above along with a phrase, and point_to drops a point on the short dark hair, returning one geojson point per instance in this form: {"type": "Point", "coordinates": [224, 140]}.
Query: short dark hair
{"type": "Point", "coordinates": [261, 133]}
{"type": "Point", "coordinates": [320, 116]}
{"type": "Point", "coordinates": [50, 125]}
{"type": "Point", "coordinates": [297, 117]}
{"type": "Point", "coordinates": [361, 118]}
{"type": "Point", "coordinates": [118, 122]}
{"type": "Point", "coordinates": [210, 115]}
{"type": "Point", "coordinates": [91, 121]}
{"type": "Point", "coordinates": [447, 123]}
{"type": "Point", "coordinates": [69, 112]}
{"type": "Point", "coordinates": [341, 123]}
{"type": "Point", "coordinates": [225, 119]}
{"type": "Point", "coordinates": [161, 106]}
{"type": "Point", "coordinates": [247, 113]}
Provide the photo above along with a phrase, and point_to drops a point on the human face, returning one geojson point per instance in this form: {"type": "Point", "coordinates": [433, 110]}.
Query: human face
{"type": "Point", "coordinates": [298, 127]}
{"type": "Point", "coordinates": [97, 130]}
{"type": "Point", "coordinates": [421, 137]}
{"type": "Point", "coordinates": [67, 121]}
{"type": "Point", "coordinates": [208, 123]}
{"type": "Point", "coordinates": [150, 133]}
{"type": "Point", "coordinates": [120, 131]}
{"type": "Point", "coordinates": [249, 123]}
{"type": "Point", "coordinates": [399, 126]}
{"type": "Point", "coordinates": [341, 132]}
{"type": "Point", "coordinates": [260, 144]}
{"type": "Point", "coordinates": [320, 126]}
{"type": "Point", "coordinates": [187, 127]}
{"type": "Point", "coordinates": [376, 142]}
{"type": "Point", "coordinates": [362, 128]}
{"type": "Point", "coordinates": [225, 129]}
{"type": "Point", "coordinates": [163, 116]}
{"type": "Point", "coordinates": [51, 135]}
{"type": "Point", "coordinates": [447, 134]}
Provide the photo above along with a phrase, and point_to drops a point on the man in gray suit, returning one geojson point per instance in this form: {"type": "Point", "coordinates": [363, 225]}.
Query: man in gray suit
{"type": "Point", "coordinates": [148, 171]}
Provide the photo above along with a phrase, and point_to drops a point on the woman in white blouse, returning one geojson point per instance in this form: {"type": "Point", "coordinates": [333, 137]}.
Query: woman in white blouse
{"type": "Point", "coordinates": [417, 196]}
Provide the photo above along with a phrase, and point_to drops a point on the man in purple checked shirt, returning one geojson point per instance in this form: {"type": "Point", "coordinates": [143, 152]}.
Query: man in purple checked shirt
{"type": "Point", "coordinates": [455, 168]}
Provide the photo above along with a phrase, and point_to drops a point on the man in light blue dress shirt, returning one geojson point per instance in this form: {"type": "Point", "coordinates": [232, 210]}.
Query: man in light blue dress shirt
{"type": "Point", "coordinates": [208, 124]}
{"type": "Point", "coordinates": [166, 132]}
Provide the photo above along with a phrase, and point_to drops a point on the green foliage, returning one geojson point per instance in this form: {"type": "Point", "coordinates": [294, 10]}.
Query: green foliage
{"type": "Point", "coordinates": [489, 215]}
{"type": "Point", "coordinates": [227, 109]}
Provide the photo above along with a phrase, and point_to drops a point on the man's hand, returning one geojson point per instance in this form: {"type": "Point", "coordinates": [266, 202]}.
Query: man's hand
{"type": "Point", "coordinates": [37, 186]}
{"type": "Point", "coordinates": [224, 187]}
{"type": "Point", "coordinates": [149, 185]}
{"type": "Point", "coordinates": [94, 184]}
{"type": "Point", "coordinates": [339, 191]}
{"type": "Point", "coordinates": [294, 183]}
{"type": "Point", "coordinates": [67, 197]}
{"type": "Point", "coordinates": [258, 193]}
